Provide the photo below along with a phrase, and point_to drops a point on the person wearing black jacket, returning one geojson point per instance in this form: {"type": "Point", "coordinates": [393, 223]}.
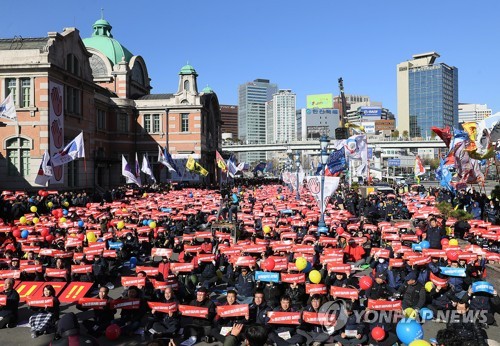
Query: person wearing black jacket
{"type": "Point", "coordinates": [278, 330]}
{"type": "Point", "coordinates": [9, 311]}
{"type": "Point", "coordinates": [413, 292]}
{"type": "Point", "coordinates": [259, 309]}
{"type": "Point", "coordinates": [166, 324]}
{"type": "Point", "coordinates": [435, 233]}
{"type": "Point", "coordinates": [102, 317]}
{"type": "Point", "coordinates": [314, 333]}
{"type": "Point", "coordinates": [199, 327]}
{"type": "Point", "coordinates": [380, 289]}
{"type": "Point", "coordinates": [221, 322]}
{"type": "Point", "coordinates": [465, 328]}
{"type": "Point", "coordinates": [483, 302]}
{"type": "Point", "coordinates": [443, 298]}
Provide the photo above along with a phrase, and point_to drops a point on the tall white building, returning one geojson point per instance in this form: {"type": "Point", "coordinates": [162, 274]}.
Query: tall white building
{"type": "Point", "coordinates": [474, 112]}
{"type": "Point", "coordinates": [280, 112]}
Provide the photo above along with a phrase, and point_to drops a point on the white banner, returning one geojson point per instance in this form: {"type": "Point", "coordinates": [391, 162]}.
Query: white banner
{"type": "Point", "coordinates": [56, 128]}
{"type": "Point", "coordinates": [314, 186]}
{"type": "Point", "coordinates": [292, 178]}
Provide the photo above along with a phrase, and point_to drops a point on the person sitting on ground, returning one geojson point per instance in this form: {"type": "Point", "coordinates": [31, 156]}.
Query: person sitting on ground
{"type": "Point", "coordinates": [254, 336]}
{"type": "Point", "coordinates": [198, 327]}
{"type": "Point", "coordinates": [9, 311]}
{"type": "Point", "coordinates": [43, 321]}
{"type": "Point", "coordinates": [285, 334]}
{"type": "Point", "coordinates": [165, 324]}
{"type": "Point", "coordinates": [102, 317]}
{"type": "Point", "coordinates": [222, 323]}
{"type": "Point", "coordinates": [68, 333]}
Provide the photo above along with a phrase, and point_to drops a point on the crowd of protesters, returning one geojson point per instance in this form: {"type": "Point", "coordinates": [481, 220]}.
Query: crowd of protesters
{"type": "Point", "coordinates": [376, 249]}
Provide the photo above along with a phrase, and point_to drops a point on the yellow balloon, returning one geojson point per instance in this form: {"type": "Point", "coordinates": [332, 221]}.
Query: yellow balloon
{"type": "Point", "coordinates": [453, 242]}
{"type": "Point", "coordinates": [429, 286]}
{"type": "Point", "coordinates": [120, 224]}
{"type": "Point", "coordinates": [144, 194]}
{"type": "Point", "coordinates": [91, 237]}
{"type": "Point", "coordinates": [152, 225]}
{"type": "Point", "coordinates": [419, 343]}
{"type": "Point", "coordinates": [410, 313]}
{"type": "Point", "coordinates": [33, 209]}
{"type": "Point", "coordinates": [36, 220]}
{"type": "Point", "coordinates": [301, 263]}
{"type": "Point", "coordinates": [315, 276]}
{"type": "Point", "coordinates": [65, 203]}
{"type": "Point", "coordinates": [267, 229]}
{"type": "Point", "coordinates": [50, 204]}
{"type": "Point", "coordinates": [62, 220]}
{"type": "Point", "coordinates": [22, 220]}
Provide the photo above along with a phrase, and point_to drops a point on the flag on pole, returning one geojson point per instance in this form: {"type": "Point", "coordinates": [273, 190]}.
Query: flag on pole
{"type": "Point", "coordinates": [137, 169]}
{"type": "Point", "coordinates": [419, 168]}
{"type": "Point", "coordinates": [146, 168]}
{"type": "Point", "coordinates": [8, 109]}
{"type": "Point", "coordinates": [45, 171]}
{"type": "Point", "coordinates": [260, 167]}
{"type": "Point", "coordinates": [231, 166]}
{"type": "Point", "coordinates": [171, 162]}
{"type": "Point", "coordinates": [73, 150]}
{"type": "Point", "coordinates": [195, 167]}
{"type": "Point", "coordinates": [220, 161]}
{"type": "Point", "coordinates": [163, 160]}
{"type": "Point", "coordinates": [128, 173]}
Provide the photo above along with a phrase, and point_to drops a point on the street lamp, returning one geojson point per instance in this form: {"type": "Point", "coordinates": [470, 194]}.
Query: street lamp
{"type": "Point", "coordinates": [296, 156]}
{"type": "Point", "coordinates": [323, 142]}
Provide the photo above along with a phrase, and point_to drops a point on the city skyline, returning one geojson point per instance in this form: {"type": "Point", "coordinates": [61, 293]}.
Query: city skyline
{"type": "Point", "coordinates": [366, 59]}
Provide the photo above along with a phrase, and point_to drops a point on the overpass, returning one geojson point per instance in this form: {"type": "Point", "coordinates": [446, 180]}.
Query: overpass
{"type": "Point", "coordinates": [314, 145]}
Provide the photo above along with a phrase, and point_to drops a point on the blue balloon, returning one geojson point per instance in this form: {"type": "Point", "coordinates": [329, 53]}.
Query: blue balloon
{"type": "Point", "coordinates": [190, 195]}
{"type": "Point", "coordinates": [31, 200]}
{"type": "Point", "coordinates": [133, 262]}
{"type": "Point", "coordinates": [145, 222]}
{"type": "Point", "coordinates": [424, 244]}
{"type": "Point", "coordinates": [426, 314]}
{"type": "Point", "coordinates": [81, 223]}
{"type": "Point", "coordinates": [308, 267]}
{"type": "Point", "coordinates": [100, 240]}
{"type": "Point", "coordinates": [65, 212]}
{"type": "Point", "coordinates": [24, 234]}
{"type": "Point", "coordinates": [409, 330]}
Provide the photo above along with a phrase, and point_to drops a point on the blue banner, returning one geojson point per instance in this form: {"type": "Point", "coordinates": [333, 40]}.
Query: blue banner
{"type": "Point", "coordinates": [113, 245]}
{"type": "Point", "coordinates": [482, 286]}
{"type": "Point", "coordinates": [267, 276]}
{"type": "Point", "coordinates": [336, 161]}
{"type": "Point", "coordinates": [460, 272]}
{"type": "Point", "coordinates": [416, 247]}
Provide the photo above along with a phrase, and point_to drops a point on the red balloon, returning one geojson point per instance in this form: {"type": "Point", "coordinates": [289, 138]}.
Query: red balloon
{"type": "Point", "coordinates": [10, 247]}
{"type": "Point", "coordinates": [452, 255]}
{"type": "Point", "coordinates": [16, 233]}
{"type": "Point", "coordinates": [44, 232]}
{"type": "Point", "coordinates": [378, 333]}
{"type": "Point", "coordinates": [365, 282]}
{"type": "Point", "coordinates": [268, 264]}
{"type": "Point", "coordinates": [445, 241]}
{"type": "Point", "coordinates": [418, 233]}
{"type": "Point", "coordinates": [54, 212]}
{"type": "Point", "coordinates": [113, 332]}
{"type": "Point", "coordinates": [81, 236]}
{"type": "Point", "coordinates": [340, 230]}
{"type": "Point", "coordinates": [49, 238]}
{"type": "Point", "coordinates": [40, 192]}
{"type": "Point", "coordinates": [45, 194]}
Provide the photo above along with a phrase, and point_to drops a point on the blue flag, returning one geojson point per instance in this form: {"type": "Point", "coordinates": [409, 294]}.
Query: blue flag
{"type": "Point", "coordinates": [336, 161]}
{"type": "Point", "coordinates": [171, 162]}
{"type": "Point", "coordinates": [260, 167]}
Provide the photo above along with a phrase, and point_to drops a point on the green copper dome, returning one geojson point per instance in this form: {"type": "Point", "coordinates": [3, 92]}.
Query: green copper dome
{"type": "Point", "coordinates": [208, 90]}
{"type": "Point", "coordinates": [103, 41]}
{"type": "Point", "coordinates": [188, 69]}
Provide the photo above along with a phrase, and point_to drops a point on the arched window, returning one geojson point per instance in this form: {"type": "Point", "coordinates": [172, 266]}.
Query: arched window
{"type": "Point", "coordinates": [186, 85]}
{"type": "Point", "coordinates": [98, 66]}
{"type": "Point", "coordinates": [72, 64]}
{"type": "Point", "coordinates": [18, 156]}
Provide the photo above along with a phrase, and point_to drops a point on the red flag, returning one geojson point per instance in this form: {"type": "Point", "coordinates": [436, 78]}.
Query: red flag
{"type": "Point", "coordinates": [444, 134]}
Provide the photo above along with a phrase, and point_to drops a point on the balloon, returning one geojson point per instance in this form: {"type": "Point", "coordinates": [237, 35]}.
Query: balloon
{"type": "Point", "coordinates": [452, 254]}
{"type": "Point", "coordinates": [36, 220]}
{"type": "Point", "coordinates": [419, 343]}
{"type": "Point", "coordinates": [301, 263]}
{"type": "Point", "coordinates": [81, 236]}
{"type": "Point", "coordinates": [308, 267]}
{"type": "Point", "coordinates": [113, 332]}
{"type": "Point", "coordinates": [419, 232]}
{"type": "Point", "coordinates": [50, 204]}
{"type": "Point", "coordinates": [91, 237]}
{"type": "Point", "coordinates": [65, 212]}
{"type": "Point", "coordinates": [267, 229]}
{"type": "Point", "coordinates": [190, 195]}
{"type": "Point", "coordinates": [315, 276]}
{"type": "Point", "coordinates": [81, 223]}
{"type": "Point", "coordinates": [445, 241]}
{"type": "Point", "coordinates": [62, 220]}
{"type": "Point", "coordinates": [144, 195]}
{"type": "Point", "coordinates": [365, 282]}
{"type": "Point", "coordinates": [145, 222]}
{"type": "Point", "coordinates": [152, 225]}
{"type": "Point", "coordinates": [22, 220]}
{"type": "Point", "coordinates": [426, 314]}
{"type": "Point", "coordinates": [44, 232]}
{"type": "Point", "coordinates": [120, 225]}
{"type": "Point", "coordinates": [33, 209]}
{"type": "Point", "coordinates": [424, 244]}
{"type": "Point", "coordinates": [378, 333]}
{"type": "Point", "coordinates": [45, 194]}
{"type": "Point", "coordinates": [409, 330]}
{"type": "Point", "coordinates": [453, 242]}
{"type": "Point", "coordinates": [66, 204]}
{"type": "Point", "coordinates": [50, 238]}
{"type": "Point", "coordinates": [24, 234]}
{"type": "Point", "coordinates": [16, 233]}
{"type": "Point", "coordinates": [429, 286]}
{"type": "Point", "coordinates": [410, 313]}
{"type": "Point", "coordinates": [10, 247]}
{"type": "Point", "coordinates": [340, 231]}
{"type": "Point", "coordinates": [40, 192]}
{"type": "Point", "coordinates": [268, 264]}
{"type": "Point", "coordinates": [133, 262]}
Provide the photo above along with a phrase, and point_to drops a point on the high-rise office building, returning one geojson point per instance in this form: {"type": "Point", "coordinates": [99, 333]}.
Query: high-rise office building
{"type": "Point", "coordinates": [229, 117]}
{"type": "Point", "coordinates": [252, 98]}
{"type": "Point", "coordinates": [283, 117]}
{"type": "Point", "coordinates": [472, 112]}
{"type": "Point", "coordinates": [427, 95]}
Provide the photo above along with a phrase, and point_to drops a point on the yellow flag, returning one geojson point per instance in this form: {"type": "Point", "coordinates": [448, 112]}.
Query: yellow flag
{"type": "Point", "coordinates": [195, 167]}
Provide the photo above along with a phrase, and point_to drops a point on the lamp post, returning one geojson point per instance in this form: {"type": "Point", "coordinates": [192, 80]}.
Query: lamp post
{"type": "Point", "coordinates": [296, 156]}
{"type": "Point", "coordinates": [323, 142]}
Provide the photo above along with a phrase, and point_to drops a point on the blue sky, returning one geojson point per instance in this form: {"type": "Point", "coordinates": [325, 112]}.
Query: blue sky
{"type": "Point", "coordinates": [300, 45]}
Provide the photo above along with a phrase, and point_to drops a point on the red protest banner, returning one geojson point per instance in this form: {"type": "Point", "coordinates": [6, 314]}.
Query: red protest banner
{"type": "Point", "coordinates": [331, 258]}
{"type": "Point", "coordinates": [434, 253]}
{"type": "Point", "coordinates": [160, 252]}
{"type": "Point", "coordinates": [92, 251]}
{"type": "Point", "coordinates": [206, 257]}
{"type": "Point", "coordinates": [150, 271]}
{"type": "Point", "coordinates": [31, 268]}
{"type": "Point", "coordinates": [396, 263]}
{"type": "Point", "coordinates": [93, 303]}
{"type": "Point", "coordinates": [181, 267]}
{"type": "Point", "coordinates": [10, 274]}
{"type": "Point", "coordinates": [192, 248]}
{"type": "Point", "coordinates": [420, 261]}
{"type": "Point", "coordinates": [245, 261]}
{"type": "Point", "coordinates": [278, 317]}
{"type": "Point", "coordinates": [316, 289]}
{"type": "Point", "coordinates": [385, 305]}
{"type": "Point", "coordinates": [254, 248]}
{"type": "Point", "coordinates": [128, 281]}
{"type": "Point", "coordinates": [320, 318]}
{"type": "Point", "coordinates": [163, 307]}
{"type": "Point", "coordinates": [126, 304]}
{"type": "Point", "coordinates": [382, 253]}
{"type": "Point", "coordinates": [74, 292]}
{"type": "Point", "coordinates": [56, 273]}
{"type": "Point", "coordinates": [109, 254]}
{"type": "Point", "coordinates": [81, 269]}
{"type": "Point", "coordinates": [280, 263]}
{"type": "Point", "coordinates": [304, 249]}
{"type": "Point", "coordinates": [203, 234]}
{"type": "Point", "coordinates": [323, 240]}
{"type": "Point", "coordinates": [233, 310]}
{"type": "Point", "coordinates": [193, 311]}
{"type": "Point", "coordinates": [438, 281]}
{"type": "Point", "coordinates": [344, 292]}
{"type": "Point", "coordinates": [339, 268]}
{"type": "Point", "coordinates": [228, 251]}
{"type": "Point", "coordinates": [41, 302]}
{"type": "Point", "coordinates": [3, 300]}
{"type": "Point", "coordinates": [291, 278]}
{"type": "Point", "coordinates": [61, 254]}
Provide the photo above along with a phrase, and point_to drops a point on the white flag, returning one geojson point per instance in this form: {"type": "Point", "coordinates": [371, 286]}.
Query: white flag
{"type": "Point", "coordinates": [8, 109]}
{"type": "Point", "coordinates": [314, 186]}
{"type": "Point", "coordinates": [128, 173]}
{"type": "Point", "coordinates": [74, 150]}
{"type": "Point", "coordinates": [163, 160]}
{"type": "Point", "coordinates": [45, 171]}
{"type": "Point", "coordinates": [146, 168]}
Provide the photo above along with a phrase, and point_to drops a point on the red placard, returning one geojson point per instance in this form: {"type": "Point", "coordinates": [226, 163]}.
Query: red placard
{"type": "Point", "coordinates": [203, 234]}
{"type": "Point", "coordinates": [291, 278]}
{"type": "Point", "coordinates": [109, 254]}
{"type": "Point", "coordinates": [339, 268]}
{"type": "Point", "coordinates": [74, 292]}
{"type": "Point", "coordinates": [3, 300]}
{"type": "Point", "coordinates": [41, 302]}
{"type": "Point", "coordinates": [255, 248]}
{"type": "Point", "coordinates": [10, 274]}
{"type": "Point", "coordinates": [233, 310]}
{"type": "Point", "coordinates": [93, 303]}
{"type": "Point", "coordinates": [126, 304]}
{"type": "Point", "coordinates": [245, 261]}
{"type": "Point", "coordinates": [280, 263]}
{"type": "Point", "coordinates": [206, 257]}
{"type": "Point", "coordinates": [150, 271]}
{"type": "Point", "coordinates": [193, 311]}
{"type": "Point", "coordinates": [58, 287]}
{"type": "Point", "coordinates": [128, 281]}
{"type": "Point", "coordinates": [327, 240]}
{"type": "Point", "coordinates": [438, 281]}
{"type": "Point", "coordinates": [56, 273]}
{"type": "Point", "coordinates": [81, 269]}
{"type": "Point", "coordinates": [31, 268]}
{"type": "Point", "coordinates": [409, 237]}
{"type": "Point", "coordinates": [382, 253]}
{"type": "Point", "coordinates": [192, 248]}
{"type": "Point", "coordinates": [181, 267]}
{"type": "Point", "coordinates": [92, 251]}
{"type": "Point", "coordinates": [385, 305]}
{"type": "Point", "coordinates": [304, 249]}
{"type": "Point", "coordinates": [434, 253]}
{"type": "Point", "coordinates": [420, 261]}
{"type": "Point", "coordinates": [344, 292]}
{"type": "Point", "coordinates": [160, 252]}
{"type": "Point", "coordinates": [331, 258]}
{"type": "Point", "coordinates": [278, 317]}
{"type": "Point", "coordinates": [318, 318]}
{"type": "Point", "coordinates": [228, 251]}
{"type": "Point", "coordinates": [163, 307]}
{"type": "Point", "coordinates": [396, 262]}
{"type": "Point", "coordinates": [316, 289]}
{"type": "Point", "coordinates": [61, 254]}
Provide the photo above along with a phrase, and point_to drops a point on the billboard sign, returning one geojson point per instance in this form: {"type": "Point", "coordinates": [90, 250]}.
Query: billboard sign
{"type": "Point", "coordinates": [394, 162]}
{"type": "Point", "coordinates": [320, 101]}
{"type": "Point", "coordinates": [317, 130]}
{"type": "Point", "coordinates": [371, 111]}
{"type": "Point", "coordinates": [369, 127]}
